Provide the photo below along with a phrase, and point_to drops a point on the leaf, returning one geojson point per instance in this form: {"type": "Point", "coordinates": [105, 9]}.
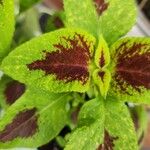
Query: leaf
{"type": "Point", "coordinates": [102, 79]}
{"type": "Point", "coordinates": [116, 17]}
{"type": "Point", "coordinates": [81, 14]}
{"type": "Point", "coordinates": [50, 23]}
{"type": "Point", "coordinates": [103, 124]}
{"type": "Point", "coordinates": [56, 62]}
{"type": "Point", "coordinates": [89, 133]}
{"type": "Point", "coordinates": [102, 55]}
{"type": "Point", "coordinates": [6, 26]}
{"type": "Point", "coordinates": [119, 131]}
{"type": "Point", "coordinates": [10, 91]}
{"type": "Point", "coordinates": [119, 128]}
{"type": "Point", "coordinates": [35, 119]}
{"type": "Point", "coordinates": [131, 70]}
{"type": "Point", "coordinates": [26, 4]}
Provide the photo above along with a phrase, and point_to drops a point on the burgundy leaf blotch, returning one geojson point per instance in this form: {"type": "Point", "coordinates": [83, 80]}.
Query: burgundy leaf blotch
{"type": "Point", "coordinates": [24, 125]}
{"type": "Point", "coordinates": [101, 6]}
{"type": "Point", "coordinates": [101, 75]}
{"type": "Point", "coordinates": [102, 60]}
{"type": "Point", "coordinates": [132, 67]}
{"type": "Point", "coordinates": [67, 64]}
{"type": "Point", "coordinates": [13, 91]}
{"type": "Point", "coordinates": [108, 142]}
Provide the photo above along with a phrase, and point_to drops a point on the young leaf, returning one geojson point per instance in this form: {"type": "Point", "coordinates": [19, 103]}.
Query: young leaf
{"type": "Point", "coordinates": [81, 14]}
{"type": "Point", "coordinates": [102, 79]}
{"type": "Point", "coordinates": [119, 128]}
{"type": "Point", "coordinates": [35, 119]}
{"type": "Point", "coordinates": [102, 55]}
{"type": "Point", "coordinates": [89, 133]}
{"type": "Point", "coordinates": [131, 70]}
{"type": "Point", "coordinates": [57, 61]}
{"type": "Point", "coordinates": [6, 26]}
{"type": "Point", "coordinates": [10, 91]}
{"type": "Point", "coordinates": [116, 17]}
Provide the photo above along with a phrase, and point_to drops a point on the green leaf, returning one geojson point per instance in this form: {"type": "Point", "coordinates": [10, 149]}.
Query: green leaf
{"type": "Point", "coordinates": [35, 119]}
{"type": "Point", "coordinates": [103, 124]}
{"type": "Point", "coordinates": [81, 14]}
{"type": "Point", "coordinates": [25, 4]}
{"type": "Point", "coordinates": [89, 133]}
{"type": "Point", "coordinates": [102, 55]}
{"type": "Point", "coordinates": [10, 91]}
{"type": "Point", "coordinates": [56, 62]}
{"type": "Point", "coordinates": [102, 79]}
{"type": "Point", "coordinates": [54, 22]}
{"type": "Point", "coordinates": [6, 26]}
{"type": "Point", "coordinates": [116, 17]}
{"type": "Point", "coordinates": [131, 70]}
{"type": "Point", "coordinates": [119, 128]}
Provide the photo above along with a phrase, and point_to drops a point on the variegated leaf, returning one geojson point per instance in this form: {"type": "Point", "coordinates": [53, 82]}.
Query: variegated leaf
{"type": "Point", "coordinates": [102, 79]}
{"type": "Point", "coordinates": [103, 124]}
{"type": "Point", "coordinates": [89, 132]}
{"type": "Point", "coordinates": [119, 129]}
{"type": "Point", "coordinates": [35, 119]}
{"type": "Point", "coordinates": [81, 14]}
{"type": "Point", "coordinates": [57, 61]}
{"type": "Point", "coordinates": [116, 17]}
{"type": "Point", "coordinates": [131, 70]}
{"type": "Point", "coordinates": [102, 55]}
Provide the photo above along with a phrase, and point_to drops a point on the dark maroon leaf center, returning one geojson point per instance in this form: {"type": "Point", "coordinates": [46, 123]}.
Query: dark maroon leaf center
{"type": "Point", "coordinates": [13, 91]}
{"type": "Point", "coordinates": [108, 142]}
{"type": "Point", "coordinates": [102, 59]}
{"type": "Point", "coordinates": [101, 6]}
{"type": "Point", "coordinates": [101, 75]}
{"type": "Point", "coordinates": [132, 67]}
{"type": "Point", "coordinates": [67, 63]}
{"type": "Point", "coordinates": [23, 125]}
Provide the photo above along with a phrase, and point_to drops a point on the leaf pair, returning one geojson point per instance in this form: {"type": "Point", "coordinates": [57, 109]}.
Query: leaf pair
{"type": "Point", "coordinates": [103, 125]}
{"type": "Point", "coordinates": [112, 18]}
{"type": "Point", "coordinates": [61, 61]}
